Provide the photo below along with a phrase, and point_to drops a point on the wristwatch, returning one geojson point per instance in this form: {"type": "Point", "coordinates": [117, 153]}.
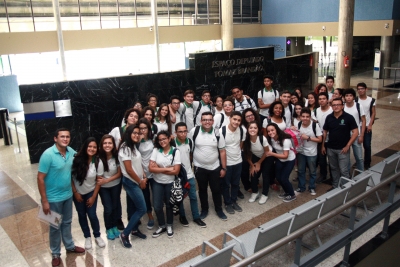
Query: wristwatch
{"type": "Point", "coordinates": [223, 169]}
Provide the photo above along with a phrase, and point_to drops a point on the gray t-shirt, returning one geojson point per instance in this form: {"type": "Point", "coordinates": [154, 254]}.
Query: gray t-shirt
{"type": "Point", "coordinates": [89, 183]}
{"type": "Point", "coordinates": [112, 170]}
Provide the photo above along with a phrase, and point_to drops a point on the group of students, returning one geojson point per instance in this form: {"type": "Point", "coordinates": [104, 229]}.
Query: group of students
{"type": "Point", "coordinates": [219, 143]}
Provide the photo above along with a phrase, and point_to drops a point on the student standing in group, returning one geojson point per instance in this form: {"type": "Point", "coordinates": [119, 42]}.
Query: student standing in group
{"type": "Point", "coordinates": [294, 98]}
{"type": "Point", "coordinates": [330, 81]}
{"type": "Point", "coordinates": [307, 157]}
{"type": "Point", "coordinates": [186, 109]}
{"type": "Point", "coordinates": [54, 184]}
{"type": "Point", "coordinates": [368, 103]}
{"type": "Point", "coordinates": [149, 114]}
{"type": "Point", "coordinates": [202, 106]}
{"type": "Point", "coordinates": [300, 94]}
{"type": "Point", "coordinates": [234, 136]}
{"type": "Point", "coordinates": [222, 119]}
{"type": "Point", "coordinates": [277, 116]}
{"type": "Point", "coordinates": [174, 112]}
{"type": "Point", "coordinates": [134, 181]}
{"type": "Point", "coordinates": [242, 102]}
{"type": "Point", "coordinates": [320, 88]}
{"type": "Point", "coordinates": [152, 101]}
{"type": "Point", "coordinates": [297, 115]}
{"type": "Point", "coordinates": [255, 149]}
{"type": "Point", "coordinates": [137, 106]}
{"type": "Point", "coordinates": [319, 115]}
{"type": "Point", "coordinates": [162, 119]}
{"type": "Point", "coordinates": [164, 166]}
{"type": "Point", "coordinates": [145, 147]}
{"type": "Point", "coordinates": [288, 108]}
{"type": "Point", "coordinates": [266, 96]}
{"type": "Point", "coordinates": [357, 111]}
{"type": "Point", "coordinates": [312, 101]}
{"type": "Point", "coordinates": [109, 178]}
{"type": "Point", "coordinates": [185, 146]}
{"type": "Point", "coordinates": [209, 160]}
{"type": "Point", "coordinates": [85, 190]}
{"type": "Point", "coordinates": [285, 156]}
{"type": "Point", "coordinates": [343, 130]}
{"type": "Point", "coordinates": [218, 104]}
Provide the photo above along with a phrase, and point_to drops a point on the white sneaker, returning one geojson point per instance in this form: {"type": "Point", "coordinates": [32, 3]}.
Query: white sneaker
{"type": "Point", "coordinates": [253, 197]}
{"type": "Point", "coordinates": [100, 242]}
{"type": "Point", "coordinates": [263, 199]}
{"type": "Point", "coordinates": [88, 243]}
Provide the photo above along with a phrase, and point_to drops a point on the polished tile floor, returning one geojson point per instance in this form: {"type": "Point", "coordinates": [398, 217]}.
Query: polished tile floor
{"type": "Point", "coordinates": [25, 239]}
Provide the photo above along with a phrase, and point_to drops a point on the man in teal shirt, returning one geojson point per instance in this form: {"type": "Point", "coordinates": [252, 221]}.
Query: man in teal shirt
{"type": "Point", "coordinates": [54, 183]}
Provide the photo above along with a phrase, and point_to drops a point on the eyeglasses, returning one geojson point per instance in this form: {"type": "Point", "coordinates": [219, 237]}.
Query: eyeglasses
{"type": "Point", "coordinates": [143, 128]}
{"type": "Point", "coordinates": [138, 106]}
{"type": "Point", "coordinates": [175, 103]}
{"type": "Point", "coordinates": [135, 133]}
{"type": "Point", "coordinates": [182, 132]}
{"type": "Point", "coordinates": [208, 96]}
{"type": "Point", "coordinates": [336, 105]}
{"type": "Point", "coordinates": [162, 139]}
{"type": "Point", "coordinates": [207, 120]}
{"type": "Point", "coordinates": [249, 116]}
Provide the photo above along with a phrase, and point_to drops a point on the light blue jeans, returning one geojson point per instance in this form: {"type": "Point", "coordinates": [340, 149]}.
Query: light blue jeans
{"type": "Point", "coordinates": [64, 231]}
{"type": "Point", "coordinates": [193, 201]}
{"type": "Point", "coordinates": [358, 155]}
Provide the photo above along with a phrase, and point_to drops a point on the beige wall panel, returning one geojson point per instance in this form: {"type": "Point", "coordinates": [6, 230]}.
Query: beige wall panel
{"type": "Point", "coordinates": [246, 30]}
{"type": "Point", "coordinates": [373, 28]}
{"type": "Point", "coordinates": [176, 34]}
{"type": "Point", "coordinates": [88, 39]}
{"type": "Point", "coordinates": [28, 42]}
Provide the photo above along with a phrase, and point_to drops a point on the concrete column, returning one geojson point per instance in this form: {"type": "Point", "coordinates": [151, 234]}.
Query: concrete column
{"type": "Point", "coordinates": [386, 54]}
{"type": "Point", "coordinates": [227, 24]}
{"type": "Point", "coordinates": [57, 18]}
{"type": "Point", "coordinates": [345, 43]}
{"type": "Point", "coordinates": [155, 31]}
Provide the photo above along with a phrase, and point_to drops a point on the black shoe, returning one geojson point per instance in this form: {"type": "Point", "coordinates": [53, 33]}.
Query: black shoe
{"type": "Point", "coordinates": [240, 195]}
{"type": "Point", "coordinates": [200, 223]}
{"type": "Point", "coordinates": [120, 225]}
{"type": "Point", "coordinates": [229, 209]}
{"type": "Point", "coordinates": [139, 234]}
{"type": "Point", "coordinates": [159, 231]}
{"type": "Point", "coordinates": [222, 215]}
{"type": "Point", "coordinates": [183, 221]}
{"type": "Point", "coordinates": [236, 207]}
{"type": "Point", "coordinates": [125, 241]}
{"type": "Point", "coordinates": [203, 214]}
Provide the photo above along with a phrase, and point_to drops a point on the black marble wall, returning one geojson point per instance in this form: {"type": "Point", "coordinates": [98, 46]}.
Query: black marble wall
{"type": "Point", "coordinates": [98, 105]}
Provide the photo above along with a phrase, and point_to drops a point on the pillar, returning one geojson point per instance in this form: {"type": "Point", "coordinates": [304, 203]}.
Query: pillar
{"type": "Point", "coordinates": [227, 24]}
{"type": "Point", "coordinates": [57, 18]}
{"type": "Point", "coordinates": [345, 43]}
{"type": "Point", "coordinates": [154, 28]}
{"type": "Point", "coordinates": [386, 55]}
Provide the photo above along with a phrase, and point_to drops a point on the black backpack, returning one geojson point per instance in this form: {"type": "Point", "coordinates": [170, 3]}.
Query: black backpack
{"type": "Point", "coordinates": [212, 109]}
{"type": "Point", "coordinates": [241, 132]}
{"type": "Point", "coordinates": [314, 126]}
{"type": "Point", "coordinates": [370, 106]}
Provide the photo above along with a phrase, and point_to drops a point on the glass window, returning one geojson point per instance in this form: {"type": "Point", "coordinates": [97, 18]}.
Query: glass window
{"type": "Point", "coordinates": [70, 16]}
{"type": "Point", "coordinates": [90, 14]}
{"type": "Point", "coordinates": [109, 14]}
{"type": "Point", "coordinates": [127, 13]}
{"type": "Point", "coordinates": [20, 15]}
{"type": "Point", "coordinates": [188, 12]}
{"type": "Point", "coordinates": [163, 10]}
{"type": "Point", "coordinates": [144, 14]}
{"type": "Point", "coordinates": [175, 13]}
{"type": "Point", "coordinates": [3, 18]}
{"type": "Point", "coordinates": [44, 15]}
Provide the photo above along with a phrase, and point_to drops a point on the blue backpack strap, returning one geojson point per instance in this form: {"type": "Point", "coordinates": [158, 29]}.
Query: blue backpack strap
{"type": "Point", "coordinates": [370, 106]}
{"type": "Point", "coordinates": [222, 119]}
{"type": "Point", "coordinates": [314, 128]}
{"type": "Point", "coordinates": [241, 133]}
{"type": "Point", "coordinates": [224, 131]}
{"type": "Point", "coordinates": [197, 113]}
{"type": "Point", "coordinates": [173, 155]}
{"type": "Point", "coordinates": [358, 109]}
{"type": "Point", "coordinates": [190, 145]}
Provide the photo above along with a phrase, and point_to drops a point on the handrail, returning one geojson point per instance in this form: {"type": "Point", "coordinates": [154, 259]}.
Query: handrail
{"type": "Point", "coordinates": [395, 74]}
{"type": "Point", "coordinates": [260, 254]}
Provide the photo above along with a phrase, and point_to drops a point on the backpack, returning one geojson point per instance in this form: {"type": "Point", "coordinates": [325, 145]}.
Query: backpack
{"type": "Point", "coordinates": [180, 187]}
{"type": "Point", "coordinates": [314, 125]}
{"type": "Point", "coordinates": [241, 132]}
{"type": "Point", "coordinates": [262, 93]}
{"type": "Point", "coordinates": [212, 109]}
{"type": "Point", "coordinates": [196, 133]}
{"type": "Point", "coordinates": [182, 115]}
{"type": "Point", "coordinates": [297, 142]}
{"type": "Point", "coordinates": [370, 106]}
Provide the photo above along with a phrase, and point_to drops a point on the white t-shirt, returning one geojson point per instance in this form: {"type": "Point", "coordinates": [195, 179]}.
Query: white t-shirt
{"type": "Point", "coordinates": [232, 145]}
{"type": "Point", "coordinates": [125, 154]}
{"type": "Point", "coordinates": [178, 119]}
{"type": "Point", "coordinates": [161, 126]}
{"type": "Point", "coordinates": [310, 147]}
{"type": "Point", "coordinates": [289, 115]}
{"type": "Point", "coordinates": [217, 120]}
{"type": "Point", "coordinates": [366, 104]}
{"type": "Point", "coordinates": [146, 149]}
{"type": "Point", "coordinates": [219, 112]}
{"type": "Point", "coordinates": [89, 183]}
{"type": "Point", "coordinates": [246, 103]}
{"type": "Point", "coordinates": [117, 135]}
{"type": "Point", "coordinates": [184, 148]}
{"type": "Point", "coordinates": [206, 153]}
{"type": "Point", "coordinates": [321, 116]}
{"type": "Point", "coordinates": [267, 97]}
{"type": "Point", "coordinates": [204, 108]}
{"type": "Point", "coordinates": [282, 125]}
{"type": "Point", "coordinates": [257, 148]}
{"type": "Point", "coordinates": [163, 161]}
{"type": "Point", "coordinates": [354, 112]}
{"type": "Point", "coordinates": [112, 170]}
{"type": "Point", "coordinates": [188, 113]}
{"type": "Point", "coordinates": [296, 122]}
{"type": "Point", "coordinates": [287, 145]}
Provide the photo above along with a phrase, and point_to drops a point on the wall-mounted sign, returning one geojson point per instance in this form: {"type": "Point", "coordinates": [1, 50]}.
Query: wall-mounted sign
{"type": "Point", "coordinates": [62, 108]}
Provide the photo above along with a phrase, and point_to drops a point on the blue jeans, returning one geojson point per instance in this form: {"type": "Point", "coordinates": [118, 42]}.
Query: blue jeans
{"type": "Point", "coordinates": [146, 194]}
{"type": "Point", "coordinates": [230, 183]}
{"type": "Point", "coordinates": [138, 208]}
{"type": "Point", "coordinates": [282, 172]}
{"type": "Point", "coordinates": [367, 148]}
{"type": "Point", "coordinates": [358, 155]}
{"type": "Point", "coordinates": [311, 163]}
{"type": "Point", "coordinates": [161, 196]}
{"type": "Point", "coordinates": [84, 210]}
{"type": "Point", "coordinates": [193, 201]}
{"type": "Point", "coordinates": [339, 165]}
{"type": "Point", "coordinates": [64, 231]}
{"type": "Point", "coordinates": [110, 197]}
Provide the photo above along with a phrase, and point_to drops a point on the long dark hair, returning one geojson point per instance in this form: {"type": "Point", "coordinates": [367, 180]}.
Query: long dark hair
{"type": "Point", "coordinates": [167, 118]}
{"type": "Point", "coordinates": [157, 142]}
{"type": "Point", "coordinates": [103, 154]}
{"type": "Point", "coordinates": [256, 118]}
{"type": "Point", "coordinates": [127, 142]}
{"type": "Point", "coordinates": [148, 125]}
{"type": "Point", "coordinates": [80, 164]}
{"type": "Point", "coordinates": [294, 113]}
{"type": "Point", "coordinates": [281, 134]}
{"type": "Point", "coordinates": [146, 108]}
{"type": "Point", "coordinates": [247, 143]}
{"type": "Point", "coordinates": [316, 104]}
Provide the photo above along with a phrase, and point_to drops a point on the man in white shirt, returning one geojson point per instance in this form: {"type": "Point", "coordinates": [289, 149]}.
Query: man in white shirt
{"type": "Point", "coordinates": [202, 106]}
{"type": "Point", "coordinates": [266, 96]}
{"type": "Point", "coordinates": [234, 136]}
{"type": "Point", "coordinates": [173, 111]}
{"type": "Point", "coordinates": [311, 135]}
{"type": "Point", "coordinates": [222, 119]}
{"type": "Point", "coordinates": [319, 115]}
{"type": "Point", "coordinates": [288, 108]}
{"type": "Point", "coordinates": [185, 146]}
{"type": "Point", "coordinates": [368, 103]}
{"type": "Point", "coordinates": [209, 160]}
{"type": "Point", "coordinates": [186, 111]}
{"type": "Point", "coordinates": [330, 81]}
{"type": "Point", "coordinates": [357, 111]}
{"type": "Point", "coordinates": [242, 102]}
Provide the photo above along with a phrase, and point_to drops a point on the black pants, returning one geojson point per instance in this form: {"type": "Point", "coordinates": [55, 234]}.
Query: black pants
{"type": "Point", "coordinates": [245, 175]}
{"type": "Point", "coordinates": [204, 178]}
{"type": "Point", "coordinates": [268, 173]}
